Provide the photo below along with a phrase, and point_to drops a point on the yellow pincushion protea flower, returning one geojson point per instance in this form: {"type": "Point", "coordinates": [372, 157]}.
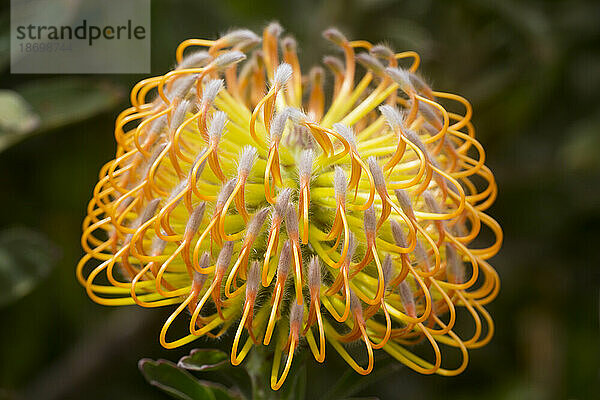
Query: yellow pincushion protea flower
{"type": "Point", "coordinates": [238, 195]}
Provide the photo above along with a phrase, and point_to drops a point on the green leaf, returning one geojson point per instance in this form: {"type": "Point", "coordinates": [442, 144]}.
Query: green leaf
{"type": "Point", "coordinates": [204, 360]}
{"type": "Point", "coordinates": [63, 101]}
{"type": "Point", "coordinates": [26, 257]}
{"type": "Point", "coordinates": [17, 119]}
{"type": "Point", "coordinates": [235, 377]}
{"type": "Point", "coordinates": [215, 365]}
{"type": "Point", "coordinates": [220, 391]}
{"type": "Point", "coordinates": [174, 381]}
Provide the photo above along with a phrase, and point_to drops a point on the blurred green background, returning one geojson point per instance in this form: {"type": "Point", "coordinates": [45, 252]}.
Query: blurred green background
{"type": "Point", "coordinates": [531, 69]}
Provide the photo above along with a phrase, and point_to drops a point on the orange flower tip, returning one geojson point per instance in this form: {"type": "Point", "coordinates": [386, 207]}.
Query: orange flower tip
{"type": "Point", "coordinates": [158, 246]}
{"type": "Point", "coordinates": [404, 202]}
{"type": "Point", "coordinates": [247, 45]}
{"type": "Point", "coordinates": [431, 202]}
{"type": "Point", "coordinates": [285, 260]}
{"type": "Point", "coordinates": [204, 262]}
{"type": "Point", "coordinates": [224, 258]}
{"type": "Point", "coordinates": [281, 205]}
{"type": "Point", "coordinates": [296, 314]}
{"type": "Point", "coordinates": [416, 140]}
{"type": "Point", "coordinates": [429, 113]}
{"type": "Point", "coordinates": [158, 125]}
{"type": "Point", "coordinates": [447, 141]}
{"type": "Point", "coordinates": [346, 132]}
{"type": "Point", "coordinates": [419, 83]}
{"type": "Point", "coordinates": [154, 156]}
{"type": "Point", "coordinates": [398, 234]}
{"type": "Point", "coordinates": [179, 114]}
{"type": "Point", "coordinates": [225, 192]}
{"type": "Point", "coordinates": [247, 159]}
{"type": "Point", "coordinates": [334, 64]}
{"type": "Point", "coordinates": [442, 178]}
{"type": "Point", "coordinates": [393, 117]}
{"type": "Point", "coordinates": [278, 124]}
{"type": "Point", "coordinates": [455, 269]}
{"type": "Point", "coordinates": [432, 130]}
{"type": "Point", "coordinates": [304, 138]}
{"type": "Point", "coordinates": [370, 221]}
{"type": "Point", "coordinates": [421, 256]}
{"type": "Point", "coordinates": [291, 223]}
{"type": "Point", "coordinates": [238, 36]}
{"type": "Point", "coordinates": [377, 173]}
{"type": "Point", "coordinates": [459, 230]}
{"type": "Point", "coordinates": [274, 29]}
{"type": "Point", "coordinates": [211, 90]}
{"type": "Point", "coordinates": [228, 59]}
{"type": "Point", "coordinates": [355, 304]}
{"type": "Point", "coordinates": [176, 190]}
{"type": "Point", "coordinates": [339, 183]}
{"type": "Point", "coordinates": [335, 36]}
{"type": "Point", "coordinates": [217, 125]}
{"type": "Point", "coordinates": [200, 278]}
{"type": "Point", "coordinates": [401, 77]}
{"type": "Point", "coordinates": [257, 60]}
{"type": "Point", "coordinates": [202, 164]}
{"type": "Point", "coordinates": [382, 51]}
{"type": "Point", "coordinates": [352, 244]}
{"type": "Point", "coordinates": [257, 222]}
{"type": "Point", "coordinates": [305, 164]}
{"type": "Point", "coordinates": [196, 59]}
{"type": "Point", "coordinates": [194, 221]}
{"type": "Point", "coordinates": [388, 270]}
{"type": "Point", "coordinates": [181, 87]}
{"type": "Point", "coordinates": [371, 63]}
{"type": "Point", "coordinates": [149, 211]}
{"type": "Point", "coordinates": [316, 76]}
{"type": "Point", "coordinates": [283, 74]}
{"type": "Point", "coordinates": [314, 276]}
{"type": "Point", "coordinates": [253, 280]}
{"type": "Point", "coordinates": [297, 116]}
{"type": "Point", "coordinates": [124, 203]}
{"type": "Point", "coordinates": [289, 44]}
{"type": "Point", "coordinates": [407, 298]}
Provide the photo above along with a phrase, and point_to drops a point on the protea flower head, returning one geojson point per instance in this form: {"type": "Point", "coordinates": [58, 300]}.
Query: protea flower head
{"type": "Point", "coordinates": [262, 206]}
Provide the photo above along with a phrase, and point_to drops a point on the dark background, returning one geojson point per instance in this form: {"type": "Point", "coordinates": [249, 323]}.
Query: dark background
{"type": "Point", "coordinates": [531, 69]}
